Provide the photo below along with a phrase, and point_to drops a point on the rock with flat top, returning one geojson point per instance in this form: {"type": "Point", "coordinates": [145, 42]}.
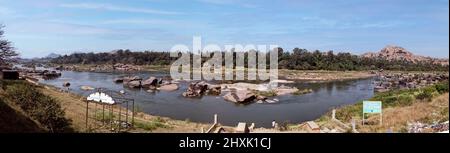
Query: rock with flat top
{"type": "Point", "coordinates": [87, 88]}
{"type": "Point", "coordinates": [133, 84]}
{"type": "Point", "coordinates": [133, 78]}
{"type": "Point", "coordinates": [240, 97]}
{"type": "Point", "coordinates": [170, 87]}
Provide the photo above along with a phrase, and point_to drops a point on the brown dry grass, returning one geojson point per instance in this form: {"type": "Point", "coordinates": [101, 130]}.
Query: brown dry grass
{"type": "Point", "coordinates": [396, 118]}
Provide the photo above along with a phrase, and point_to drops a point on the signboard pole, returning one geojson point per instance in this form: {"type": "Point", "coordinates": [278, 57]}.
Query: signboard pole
{"type": "Point", "coordinates": [363, 118]}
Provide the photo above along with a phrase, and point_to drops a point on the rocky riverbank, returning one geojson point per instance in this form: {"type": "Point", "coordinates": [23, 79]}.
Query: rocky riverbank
{"type": "Point", "coordinates": [407, 80]}
{"type": "Point", "coordinates": [38, 74]}
{"type": "Point", "coordinates": [297, 75]}
{"type": "Point", "coordinates": [99, 68]}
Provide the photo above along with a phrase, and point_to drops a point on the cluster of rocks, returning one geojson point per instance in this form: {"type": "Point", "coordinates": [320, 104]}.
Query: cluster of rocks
{"type": "Point", "coordinates": [125, 67]}
{"type": "Point", "coordinates": [101, 68]}
{"type": "Point", "coordinates": [50, 74]}
{"type": "Point", "coordinates": [198, 89]}
{"type": "Point", "coordinates": [152, 83]}
{"type": "Point", "coordinates": [35, 74]}
{"type": "Point", "coordinates": [241, 93]}
{"type": "Point", "coordinates": [386, 82]}
{"type": "Point", "coordinates": [418, 127]}
{"type": "Point", "coordinates": [245, 96]}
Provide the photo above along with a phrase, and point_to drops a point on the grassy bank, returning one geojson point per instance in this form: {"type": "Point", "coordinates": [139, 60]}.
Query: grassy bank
{"type": "Point", "coordinates": [33, 104]}
{"type": "Point", "coordinates": [47, 109]}
{"type": "Point", "coordinates": [75, 109]}
{"type": "Point", "coordinates": [426, 105]}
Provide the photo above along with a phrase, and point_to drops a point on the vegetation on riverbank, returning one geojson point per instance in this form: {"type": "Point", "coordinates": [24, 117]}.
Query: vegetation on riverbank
{"type": "Point", "coordinates": [75, 109]}
{"type": "Point", "coordinates": [33, 103]}
{"type": "Point", "coordinates": [426, 105]}
{"type": "Point", "coordinates": [297, 59]}
{"type": "Point", "coordinates": [47, 109]}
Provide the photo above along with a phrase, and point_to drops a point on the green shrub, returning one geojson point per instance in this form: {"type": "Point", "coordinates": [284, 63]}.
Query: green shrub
{"type": "Point", "coordinates": [405, 100]}
{"type": "Point", "coordinates": [270, 93]}
{"type": "Point", "coordinates": [426, 93]}
{"type": "Point", "coordinates": [150, 125]}
{"type": "Point", "coordinates": [442, 87]}
{"type": "Point", "coordinates": [346, 113]}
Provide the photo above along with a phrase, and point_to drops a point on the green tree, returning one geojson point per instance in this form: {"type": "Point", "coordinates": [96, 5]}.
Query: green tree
{"type": "Point", "coordinates": [7, 51]}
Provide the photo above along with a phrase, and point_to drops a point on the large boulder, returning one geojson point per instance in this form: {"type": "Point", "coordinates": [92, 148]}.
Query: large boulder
{"type": "Point", "coordinates": [66, 84]}
{"type": "Point", "coordinates": [214, 89]}
{"type": "Point", "coordinates": [196, 89]}
{"type": "Point", "coordinates": [150, 82]}
{"type": "Point", "coordinates": [240, 96]}
{"type": "Point", "coordinates": [133, 78]}
{"type": "Point", "coordinates": [133, 84]}
{"type": "Point", "coordinates": [170, 87]}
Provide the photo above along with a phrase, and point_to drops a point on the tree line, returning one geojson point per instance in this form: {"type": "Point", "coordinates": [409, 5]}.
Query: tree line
{"type": "Point", "coordinates": [297, 59]}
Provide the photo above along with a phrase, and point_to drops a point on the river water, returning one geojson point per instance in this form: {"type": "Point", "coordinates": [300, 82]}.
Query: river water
{"type": "Point", "coordinates": [294, 109]}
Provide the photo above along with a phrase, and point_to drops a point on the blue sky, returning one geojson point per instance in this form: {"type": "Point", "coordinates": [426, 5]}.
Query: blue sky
{"type": "Point", "coordinates": [38, 28]}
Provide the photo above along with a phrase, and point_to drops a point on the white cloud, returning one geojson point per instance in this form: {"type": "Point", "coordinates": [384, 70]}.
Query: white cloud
{"type": "Point", "coordinates": [110, 7]}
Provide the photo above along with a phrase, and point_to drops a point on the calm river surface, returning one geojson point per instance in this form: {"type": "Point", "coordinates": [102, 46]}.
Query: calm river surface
{"type": "Point", "coordinates": [290, 108]}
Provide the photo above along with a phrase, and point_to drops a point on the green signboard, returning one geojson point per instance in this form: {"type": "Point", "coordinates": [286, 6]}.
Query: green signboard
{"type": "Point", "coordinates": [372, 107]}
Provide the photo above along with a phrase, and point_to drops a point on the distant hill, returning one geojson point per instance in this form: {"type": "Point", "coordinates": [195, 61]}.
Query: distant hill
{"type": "Point", "coordinates": [52, 55]}
{"type": "Point", "coordinates": [392, 53]}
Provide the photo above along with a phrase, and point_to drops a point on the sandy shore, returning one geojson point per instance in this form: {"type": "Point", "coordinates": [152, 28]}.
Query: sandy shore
{"type": "Point", "coordinates": [323, 76]}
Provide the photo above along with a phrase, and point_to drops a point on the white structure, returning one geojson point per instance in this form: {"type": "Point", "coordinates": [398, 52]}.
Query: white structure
{"type": "Point", "coordinates": [101, 98]}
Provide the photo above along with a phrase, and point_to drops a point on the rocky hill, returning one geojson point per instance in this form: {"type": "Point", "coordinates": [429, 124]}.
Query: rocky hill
{"type": "Point", "coordinates": [391, 52]}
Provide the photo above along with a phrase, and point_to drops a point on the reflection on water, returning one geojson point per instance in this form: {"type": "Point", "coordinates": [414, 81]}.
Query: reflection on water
{"type": "Point", "coordinates": [172, 104]}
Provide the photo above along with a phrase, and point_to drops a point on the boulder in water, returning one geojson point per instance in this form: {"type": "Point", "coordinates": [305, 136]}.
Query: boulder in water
{"type": "Point", "coordinates": [170, 87]}
{"type": "Point", "coordinates": [118, 80]}
{"type": "Point", "coordinates": [240, 96]}
{"type": "Point", "coordinates": [152, 81]}
{"type": "Point", "coordinates": [196, 89]}
{"type": "Point", "coordinates": [66, 84]}
{"type": "Point", "coordinates": [133, 78]}
{"type": "Point", "coordinates": [133, 84]}
{"type": "Point", "coordinates": [87, 88]}
{"type": "Point", "coordinates": [214, 89]}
